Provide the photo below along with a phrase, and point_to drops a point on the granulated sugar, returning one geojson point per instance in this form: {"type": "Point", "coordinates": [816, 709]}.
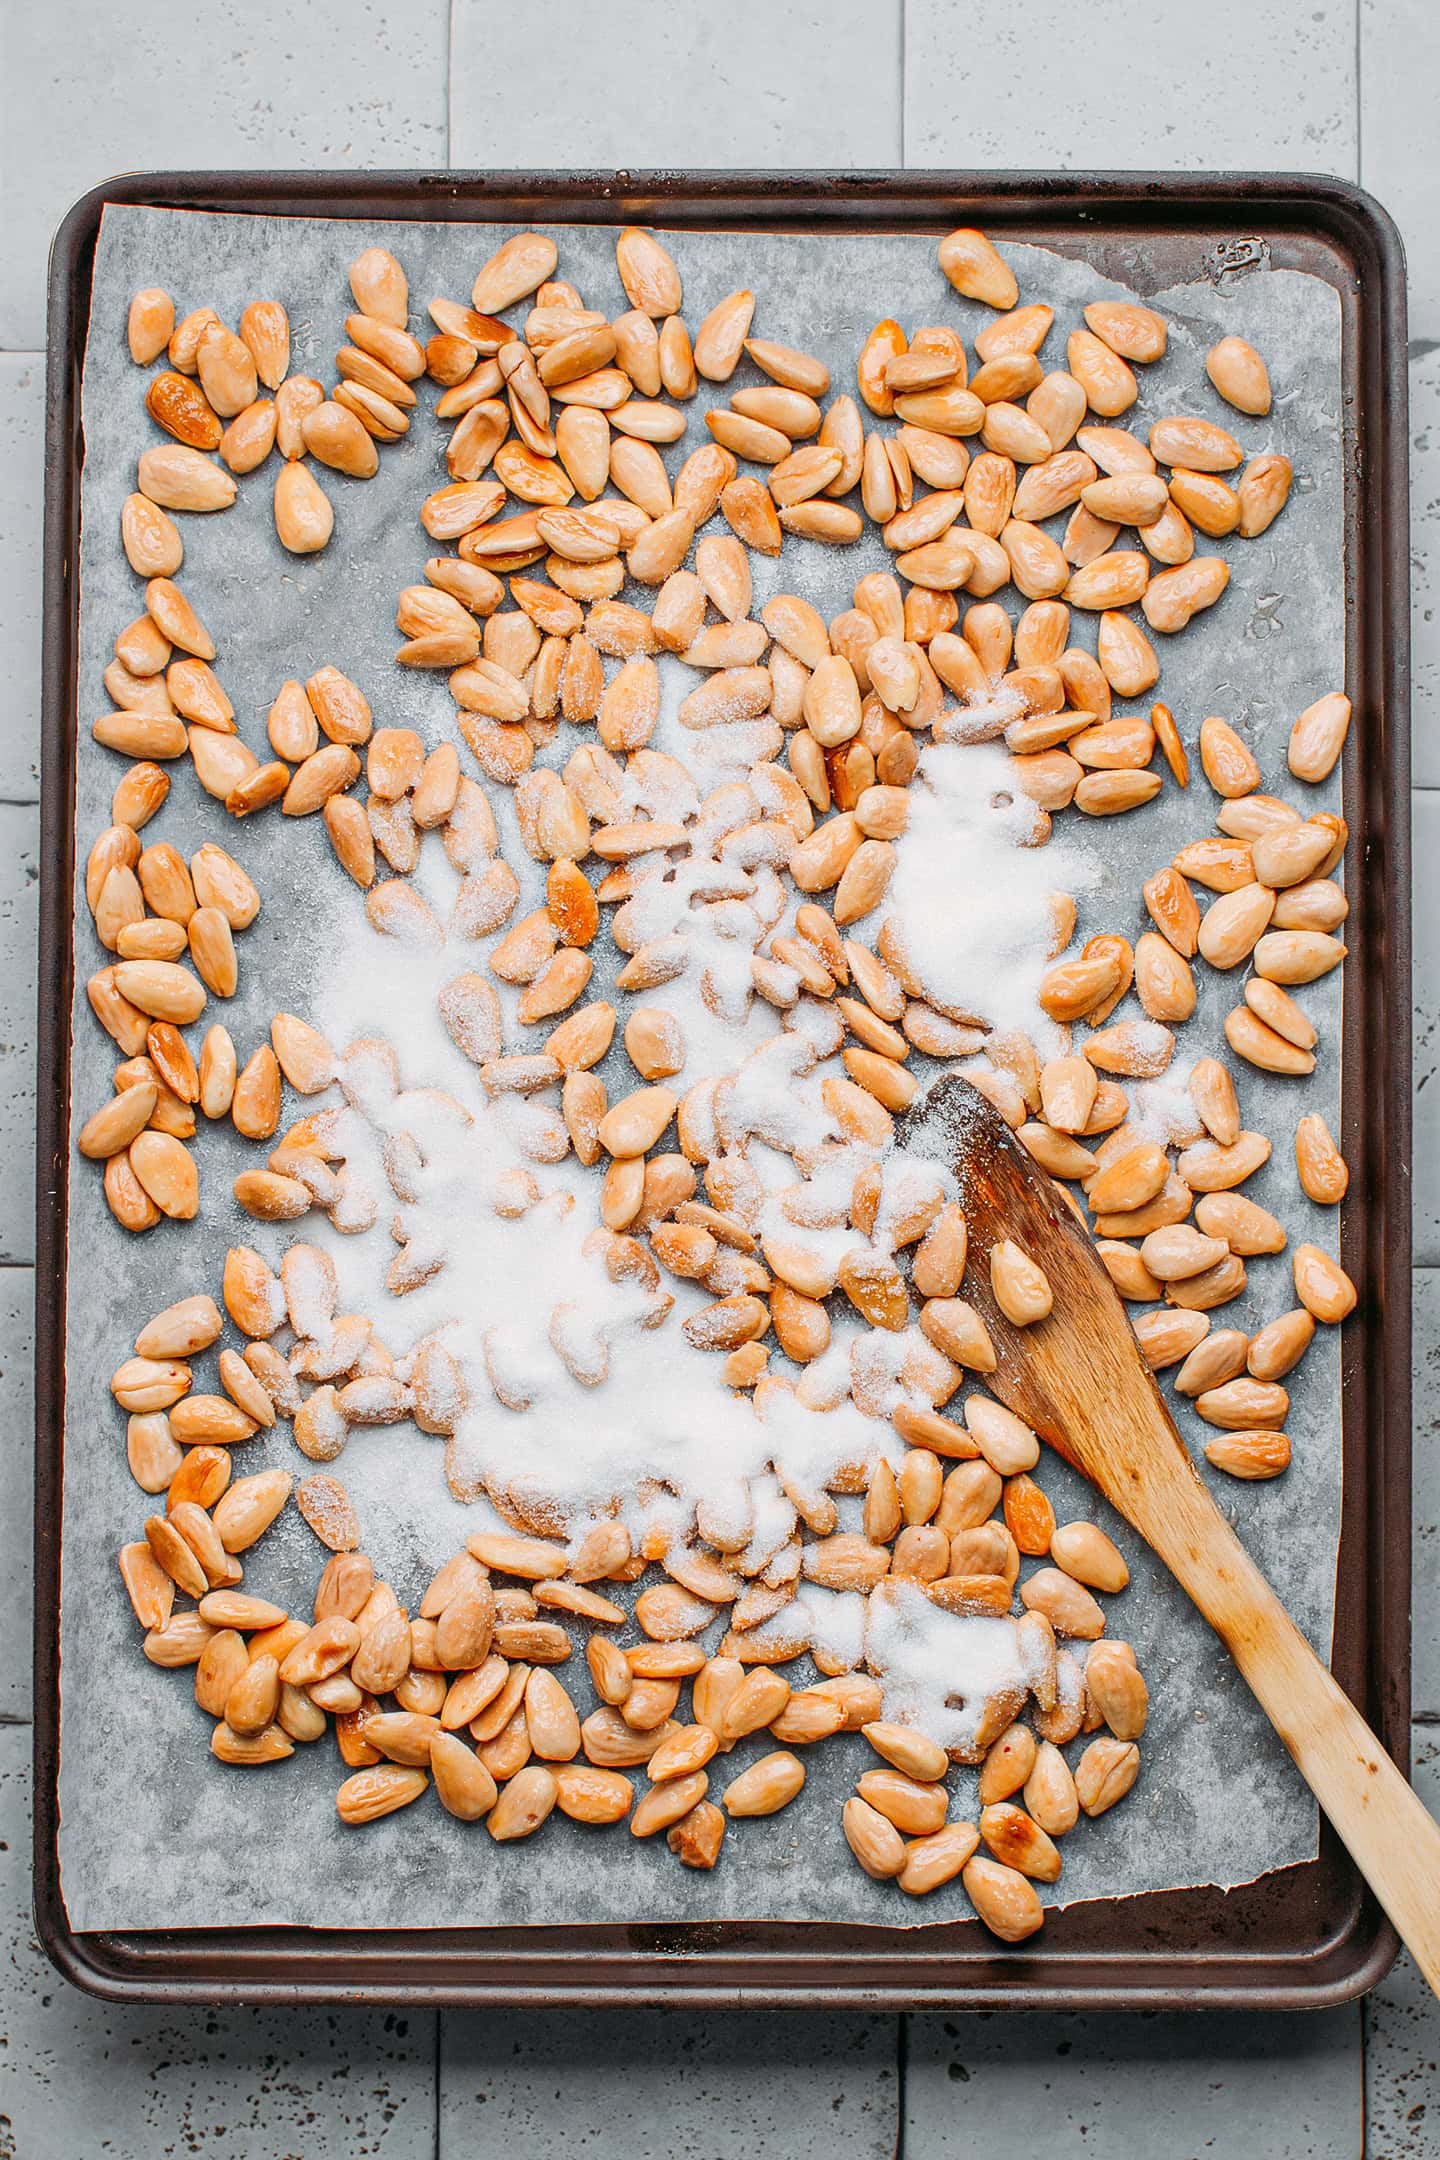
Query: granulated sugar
{"type": "Point", "coordinates": [972, 890]}
{"type": "Point", "coordinates": [940, 1672]}
{"type": "Point", "coordinates": [582, 1394]}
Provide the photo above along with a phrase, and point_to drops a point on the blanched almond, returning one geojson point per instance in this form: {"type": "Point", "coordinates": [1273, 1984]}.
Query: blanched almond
{"type": "Point", "coordinates": [1324, 1177]}
{"type": "Point", "coordinates": [304, 517]}
{"type": "Point", "coordinates": [1239, 374]}
{"type": "Point", "coordinates": [875, 1842]}
{"type": "Point", "coordinates": [1318, 737]}
{"type": "Point", "coordinates": [1322, 1285]}
{"type": "Point", "coordinates": [1253, 1455]}
{"type": "Point", "coordinates": [1003, 1899]}
{"type": "Point", "coordinates": [976, 269]}
{"type": "Point", "coordinates": [149, 324]}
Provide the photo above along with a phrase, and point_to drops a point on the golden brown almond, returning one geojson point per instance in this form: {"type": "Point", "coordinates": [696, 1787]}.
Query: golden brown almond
{"type": "Point", "coordinates": [369, 1794]}
{"type": "Point", "coordinates": [1235, 924]}
{"type": "Point", "coordinates": [304, 517]}
{"type": "Point", "coordinates": [589, 1795]}
{"type": "Point", "coordinates": [1324, 1175]}
{"type": "Point", "coordinates": [1197, 445]}
{"type": "Point", "coordinates": [875, 1842]}
{"type": "Point", "coordinates": [938, 1859]}
{"type": "Point", "coordinates": [1084, 1551]}
{"type": "Point", "coordinates": [1239, 374]}
{"type": "Point", "coordinates": [1018, 1841]}
{"type": "Point", "coordinates": [166, 1170]}
{"type": "Point", "coordinates": [976, 269]}
{"type": "Point", "coordinates": [1049, 1793]}
{"type": "Point", "coordinates": [1003, 1899]}
{"type": "Point", "coordinates": [1020, 1287]}
{"type": "Point", "coordinates": [265, 333]}
{"type": "Point", "coordinates": [334, 435]}
{"type": "Point", "coordinates": [227, 370]}
{"type": "Point", "coordinates": [1214, 1361]}
{"type": "Point", "coordinates": [1066, 1604]}
{"type": "Point", "coordinates": [1296, 956]}
{"type": "Point", "coordinates": [1253, 1455]}
{"type": "Point", "coordinates": [1322, 1285]}
{"type": "Point", "coordinates": [1228, 764]}
{"type": "Point", "coordinates": [185, 339]}
{"type": "Point", "coordinates": [697, 1838]}
{"type": "Point", "coordinates": [1278, 1348]}
{"type": "Point", "coordinates": [149, 324]}
{"type": "Point", "coordinates": [248, 1507]}
{"type": "Point", "coordinates": [273, 1744]}
{"type": "Point", "coordinates": [176, 477]}
{"type": "Point", "coordinates": [180, 406]}
{"type": "Point", "coordinates": [1109, 385]}
{"type": "Point", "coordinates": [178, 1641]}
{"type": "Point", "coordinates": [1318, 737]}
{"type": "Point", "coordinates": [1263, 491]}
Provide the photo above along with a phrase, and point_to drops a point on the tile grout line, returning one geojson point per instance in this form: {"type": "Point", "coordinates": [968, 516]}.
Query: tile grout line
{"type": "Point", "coordinates": [1359, 94]}
{"type": "Point", "coordinates": [438, 2059]}
{"type": "Point", "coordinates": [902, 2073]}
{"type": "Point", "coordinates": [450, 81]}
{"type": "Point", "coordinates": [904, 7]}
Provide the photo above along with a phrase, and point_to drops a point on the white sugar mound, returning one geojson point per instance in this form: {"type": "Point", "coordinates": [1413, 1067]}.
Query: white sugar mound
{"type": "Point", "coordinates": [971, 894]}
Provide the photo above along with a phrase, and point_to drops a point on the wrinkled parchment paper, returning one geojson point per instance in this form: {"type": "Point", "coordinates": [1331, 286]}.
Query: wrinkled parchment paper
{"type": "Point", "coordinates": [154, 1833]}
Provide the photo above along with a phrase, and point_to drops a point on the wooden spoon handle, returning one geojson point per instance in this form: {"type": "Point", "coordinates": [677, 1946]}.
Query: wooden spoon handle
{"type": "Point", "coordinates": [1390, 1835]}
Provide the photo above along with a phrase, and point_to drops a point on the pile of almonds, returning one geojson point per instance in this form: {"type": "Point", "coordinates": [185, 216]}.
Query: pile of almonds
{"type": "Point", "coordinates": [466, 1694]}
{"type": "Point", "coordinates": [566, 415]}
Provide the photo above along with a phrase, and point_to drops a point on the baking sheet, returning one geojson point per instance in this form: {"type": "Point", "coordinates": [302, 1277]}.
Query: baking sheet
{"type": "Point", "coordinates": [152, 1835]}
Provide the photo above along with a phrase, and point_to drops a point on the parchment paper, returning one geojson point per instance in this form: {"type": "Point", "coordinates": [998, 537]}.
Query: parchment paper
{"type": "Point", "coordinates": [154, 1833]}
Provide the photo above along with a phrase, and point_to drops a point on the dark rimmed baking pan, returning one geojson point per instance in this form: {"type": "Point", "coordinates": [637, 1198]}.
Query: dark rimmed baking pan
{"type": "Point", "coordinates": [1301, 1937]}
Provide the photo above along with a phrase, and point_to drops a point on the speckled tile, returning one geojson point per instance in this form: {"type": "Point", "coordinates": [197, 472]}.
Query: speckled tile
{"type": "Point", "coordinates": [668, 2085]}
{"type": "Point", "coordinates": [1425, 806]}
{"type": "Point", "coordinates": [1425, 560]}
{"type": "Point", "coordinates": [750, 85]}
{"type": "Point", "coordinates": [19, 917]}
{"type": "Point", "coordinates": [1242, 87]}
{"type": "Point", "coordinates": [80, 2078]}
{"type": "Point", "coordinates": [22, 458]}
{"type": "Point", "coordinates": [1402, 2025]}
{"type": "Point", "coordinates": [17, 1336]}
{"type": "Point", "coordinates": [1425, 1489]}
{"type": "Point", "coordinates": [1153, 2087]}
{"type": "Point", "coordinates": [109, 88]}
{"type": "Point", "coordinates": [1399, 63]}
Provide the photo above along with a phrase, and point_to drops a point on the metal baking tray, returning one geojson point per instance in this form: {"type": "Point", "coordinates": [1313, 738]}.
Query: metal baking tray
{"type": "Point", "coordinates": [1301, 1937]}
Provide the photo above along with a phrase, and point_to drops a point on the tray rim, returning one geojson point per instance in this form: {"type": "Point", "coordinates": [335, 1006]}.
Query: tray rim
{"type": "Point", "coordinates": [176, 1966]}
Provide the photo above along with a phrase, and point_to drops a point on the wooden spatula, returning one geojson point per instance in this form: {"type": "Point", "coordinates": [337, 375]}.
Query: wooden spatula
{"type": "Point", "coordinates": [1079, 1380]}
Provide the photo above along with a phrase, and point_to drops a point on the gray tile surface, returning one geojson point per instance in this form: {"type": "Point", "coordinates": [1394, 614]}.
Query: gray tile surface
{"type": "Point", "coordinates": [751, 84]}
{"type": "Point", "coordinates": [1235, 85]}
{"type": "Point", "coordinates": [814, 83]}
{"type": "Point", "coordinates": [1402, 2026]}
{"type": "Point", "coordinates": [1426, 809]}
{"type": "Point", "coordinates": [87, 91]}
{"type": "Point", "coordinates": [17, 1330]}
{"type": "Point", "coordinates": [1162, 2087]}
{"type": "Point", "coordinates": [22, 453]}
{"type": "Point", "coordinates": [19, 916]}
{"type": "Point", "coordinates": [81, 2079]}
{"type": "Point", "coordinates": [669, 2085]}
{"type": "Point", "coordinates": [1425, 1488]}
{"type": "Point", "coordinates": [1399, 61]}
{"type": "Point", "coordinates": [1425, 557]}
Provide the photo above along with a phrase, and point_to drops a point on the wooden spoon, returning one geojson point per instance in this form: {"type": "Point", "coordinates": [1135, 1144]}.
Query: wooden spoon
{"type": "Point", "coordinates": [1078, 1378]}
